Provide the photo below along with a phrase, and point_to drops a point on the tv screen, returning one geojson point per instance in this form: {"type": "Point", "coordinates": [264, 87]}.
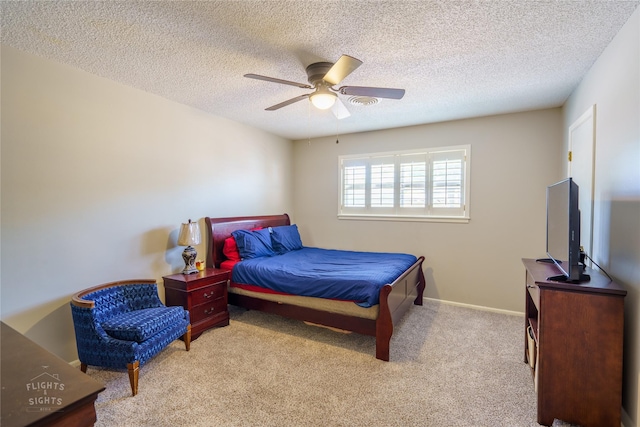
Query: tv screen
{"type": "Point", "coordinates": [563, 230]}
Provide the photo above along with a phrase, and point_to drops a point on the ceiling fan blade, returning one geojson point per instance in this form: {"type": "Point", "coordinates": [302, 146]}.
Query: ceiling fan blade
{"type": "Point", "coordinates": [285, 103]}
{"type": "Point", "coordinates": [274, 80]}
{"type": "Point", "coordinates": [376, 92]}
{"type": "Point", "coordinates": [341, 69]}
{"type": "Point", "coordinates": [340, 110]}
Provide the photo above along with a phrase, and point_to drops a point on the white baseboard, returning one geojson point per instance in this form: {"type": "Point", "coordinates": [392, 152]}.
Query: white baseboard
{"type": "Point", "coordinates": [476, 307]}
{"type": "Point", "coordinates": [75, 363]}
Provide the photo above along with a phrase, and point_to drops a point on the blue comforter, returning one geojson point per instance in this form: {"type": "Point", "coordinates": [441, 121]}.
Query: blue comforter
{"type": "Point", "coordinates": [325, 273]}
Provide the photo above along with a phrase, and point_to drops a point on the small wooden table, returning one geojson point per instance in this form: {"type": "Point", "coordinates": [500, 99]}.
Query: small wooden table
{"type": "Point", "coordinates": [40, 389]}
{"type": "Point", "coordinates": [204, 294]}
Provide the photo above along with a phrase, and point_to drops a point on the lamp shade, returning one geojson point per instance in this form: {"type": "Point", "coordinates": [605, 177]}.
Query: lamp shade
{"type": "Point", "coordinates": [189, 234]}
{"type": "Point", "coordinates": [323, 99]}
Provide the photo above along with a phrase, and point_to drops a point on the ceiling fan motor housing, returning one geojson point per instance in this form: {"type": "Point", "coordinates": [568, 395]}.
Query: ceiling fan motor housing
{"type": "Point", "coordinates": [317, 71]}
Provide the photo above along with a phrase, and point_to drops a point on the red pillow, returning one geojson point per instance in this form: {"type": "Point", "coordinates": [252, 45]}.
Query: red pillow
{"type": "Point", "coordinates": [230, 248]}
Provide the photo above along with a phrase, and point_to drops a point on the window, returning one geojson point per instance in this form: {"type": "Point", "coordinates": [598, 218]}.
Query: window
{"type": "Point", "coordinates": [419, 184]}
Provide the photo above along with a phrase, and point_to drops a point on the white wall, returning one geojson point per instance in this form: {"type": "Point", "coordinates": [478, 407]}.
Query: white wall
{"type": "Point", "coordinates": [96, 179]}
{"type": "Point", "coordinates": [513, 159]}
{"type": "Point", "coordinates": [613, 85]}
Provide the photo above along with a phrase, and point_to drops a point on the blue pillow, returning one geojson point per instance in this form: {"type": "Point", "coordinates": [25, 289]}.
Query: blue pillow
{"type": "Point", "coordinates": [285, 238]}
{"type": "Point", "coordinates": [253, 244]}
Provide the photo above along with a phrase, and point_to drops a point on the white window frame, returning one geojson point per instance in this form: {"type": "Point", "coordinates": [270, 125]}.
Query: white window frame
{"type": "Point", "coordinates": [448, 206]}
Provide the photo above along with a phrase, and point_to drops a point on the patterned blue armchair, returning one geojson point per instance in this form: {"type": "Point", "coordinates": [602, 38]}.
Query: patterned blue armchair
{"type": "Point", "coordinates": [124, 324]}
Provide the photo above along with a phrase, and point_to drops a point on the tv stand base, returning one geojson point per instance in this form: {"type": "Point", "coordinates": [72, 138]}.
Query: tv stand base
{"type": "Point", "coordinates": [562, 278]}
{"type": "Point", "coordinates": [575, 346]}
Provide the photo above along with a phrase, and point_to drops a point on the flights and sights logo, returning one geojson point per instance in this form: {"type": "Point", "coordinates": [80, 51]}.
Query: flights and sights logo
{"type": "Point", "coordinates": [45, 392]}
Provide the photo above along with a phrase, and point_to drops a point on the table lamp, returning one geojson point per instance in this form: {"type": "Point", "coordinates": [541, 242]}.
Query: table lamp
{"type": "Point", "coordinates": [189, 235]}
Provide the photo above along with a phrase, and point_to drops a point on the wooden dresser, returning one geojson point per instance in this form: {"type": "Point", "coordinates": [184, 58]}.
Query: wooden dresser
{"type": "Point", "coordinates": [40, 389]}
{"type": "Point", "coordinates": [577, 346]}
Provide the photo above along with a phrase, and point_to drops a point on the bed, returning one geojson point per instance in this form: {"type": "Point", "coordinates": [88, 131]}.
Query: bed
{"type": "Point", "coordinates": [377, 320]}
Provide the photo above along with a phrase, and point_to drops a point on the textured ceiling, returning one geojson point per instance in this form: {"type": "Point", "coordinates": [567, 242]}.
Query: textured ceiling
{"type": "Point", "coordinates": [456, 59]}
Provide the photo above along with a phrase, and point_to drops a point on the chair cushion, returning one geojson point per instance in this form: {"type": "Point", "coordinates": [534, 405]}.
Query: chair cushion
{"type": "Point", "coordinates": [140, 325]}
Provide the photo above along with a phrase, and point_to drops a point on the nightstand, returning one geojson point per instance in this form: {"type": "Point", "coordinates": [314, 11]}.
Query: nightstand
{"type": "Point", "coordinates": [204, 294]}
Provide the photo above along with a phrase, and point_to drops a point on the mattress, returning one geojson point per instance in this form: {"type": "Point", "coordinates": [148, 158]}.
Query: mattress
{"type": "Point", "coordinates": [325, 273]}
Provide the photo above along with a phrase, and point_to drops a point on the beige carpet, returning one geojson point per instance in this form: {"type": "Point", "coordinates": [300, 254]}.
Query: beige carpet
{"type": "Point", "coordinates": [450, 366]}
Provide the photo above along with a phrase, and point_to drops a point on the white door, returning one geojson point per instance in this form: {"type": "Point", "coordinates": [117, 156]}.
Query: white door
{"type": "Point", "coordinates": [582, 139]}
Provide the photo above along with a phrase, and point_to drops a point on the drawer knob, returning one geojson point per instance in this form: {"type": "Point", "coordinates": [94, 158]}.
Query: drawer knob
{"type": "Point", "coordinates": [208, 296]}
{"type": "Point", "coordinates": [209, 310]}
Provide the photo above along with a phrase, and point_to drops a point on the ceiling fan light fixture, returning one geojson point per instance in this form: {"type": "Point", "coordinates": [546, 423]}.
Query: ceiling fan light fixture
{"type": "Point", "coordinates": [323, 99]}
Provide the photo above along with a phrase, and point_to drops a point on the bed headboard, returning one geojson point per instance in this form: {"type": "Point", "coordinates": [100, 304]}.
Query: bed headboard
{"type": "Point", "coordinates": [221, 228]}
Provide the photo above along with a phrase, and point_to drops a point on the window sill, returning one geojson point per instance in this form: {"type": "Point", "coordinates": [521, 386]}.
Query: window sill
{"type": "Point", "coordinates": [361, 217]}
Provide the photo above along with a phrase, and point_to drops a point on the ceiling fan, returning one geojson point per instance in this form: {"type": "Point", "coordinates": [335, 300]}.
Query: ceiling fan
{"type": "Point", "coordinates": [323, 76]}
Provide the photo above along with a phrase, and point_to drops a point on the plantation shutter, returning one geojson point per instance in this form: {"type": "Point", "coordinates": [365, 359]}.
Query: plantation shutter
{"type": "Point", "coordinates": [448, 183]}
{"type": "Point", "coordinates": [412, 184]}
{"type": "Point", "coordinates": [354, 183]}
{"type": "Point", "coordinates": [413, 181]}
{"type": "Point", "coordinates": [383, 179]}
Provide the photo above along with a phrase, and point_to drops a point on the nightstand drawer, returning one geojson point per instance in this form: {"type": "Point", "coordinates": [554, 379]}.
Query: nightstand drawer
{"type": "Point", "coordinates": [203, 311]}
{"type": "Point", "coordinates": [208, 294]}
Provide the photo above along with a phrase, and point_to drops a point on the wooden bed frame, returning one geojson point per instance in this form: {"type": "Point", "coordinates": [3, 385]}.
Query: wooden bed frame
{"type": "Point", "coordinates": [395, 298]}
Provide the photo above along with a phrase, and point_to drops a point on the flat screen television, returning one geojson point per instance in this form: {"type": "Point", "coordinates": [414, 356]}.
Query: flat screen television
{"type": "Point", "coordinates": [563, 231]}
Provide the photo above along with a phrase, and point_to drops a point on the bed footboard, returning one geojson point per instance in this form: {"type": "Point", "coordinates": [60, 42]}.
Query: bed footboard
{"type": "Point", "coordinates": [395, 300]}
